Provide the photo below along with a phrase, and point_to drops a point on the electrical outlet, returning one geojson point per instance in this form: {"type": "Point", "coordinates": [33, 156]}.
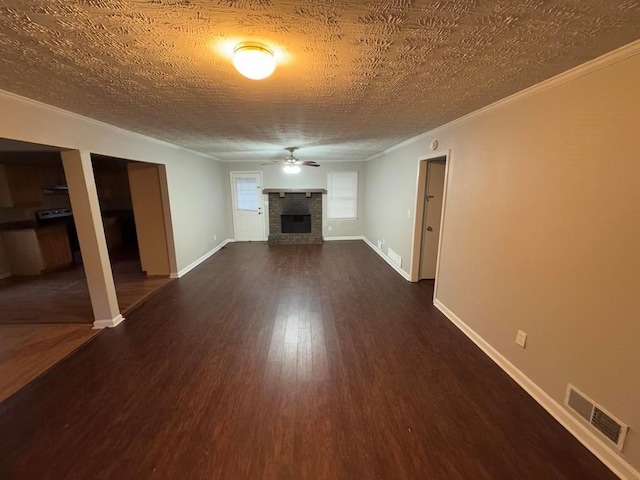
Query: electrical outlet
{"type": "Point", "coordinates": [329, 228]}
{"type": "Point", "coordinates": [408, 213]}
{"type": "Point", "coordinates": [379, 244]}
{"type": "Point", "coordinates": [521, 338]}
{"type": "Point", "coordinates": [215, 237]}
{"type": "Point", "coordinates": [384, 241]}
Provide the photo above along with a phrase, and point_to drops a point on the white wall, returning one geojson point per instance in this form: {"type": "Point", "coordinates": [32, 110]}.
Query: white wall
{"type": "Point", "coordinates": [310, 177]}
{"type": "Point", "coordinates": [198, 206]}
{"type": "Point", "coordinates": [542, 231]}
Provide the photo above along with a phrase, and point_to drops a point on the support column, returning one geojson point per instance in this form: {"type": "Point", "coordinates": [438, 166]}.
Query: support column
{"type": "Point", "coordinates": [93, 245]}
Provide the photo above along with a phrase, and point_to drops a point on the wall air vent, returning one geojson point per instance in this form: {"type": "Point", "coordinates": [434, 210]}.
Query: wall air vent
{"type": "Point", "coordinates": [613, 429]}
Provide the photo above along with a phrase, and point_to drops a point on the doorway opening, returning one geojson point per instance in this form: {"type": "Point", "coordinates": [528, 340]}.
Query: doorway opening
{"type": "Point", "coordinates": [133, 202]}
{"type": "Point", "coordinates": [430, 208]}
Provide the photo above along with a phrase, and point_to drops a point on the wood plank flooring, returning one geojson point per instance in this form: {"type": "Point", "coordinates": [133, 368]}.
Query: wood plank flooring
{"type": "Point", "coordinates": [26, 351]}
{"type": "Point", "coordinates": [62, 297]}
{"type": "Point", "coordinates": [285, 362]}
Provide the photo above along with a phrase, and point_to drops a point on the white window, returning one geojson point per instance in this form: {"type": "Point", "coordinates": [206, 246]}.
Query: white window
{"type": "Point", "coordinates": [342, 195]}
{"type": "Point", "coordinates": [247, 194]}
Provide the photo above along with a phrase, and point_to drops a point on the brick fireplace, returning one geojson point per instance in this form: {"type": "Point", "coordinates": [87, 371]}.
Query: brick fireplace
{"type": "Point", "coordinates": [295, 216]}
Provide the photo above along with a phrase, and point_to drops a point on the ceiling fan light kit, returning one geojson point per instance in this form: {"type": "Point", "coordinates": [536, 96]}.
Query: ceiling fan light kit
{"type": "Point", "coordinates": [291, 169]}
{"type": "Point", "coordinates": [292, 164]}
{"type": "Point", "coordinates": [254, 60]}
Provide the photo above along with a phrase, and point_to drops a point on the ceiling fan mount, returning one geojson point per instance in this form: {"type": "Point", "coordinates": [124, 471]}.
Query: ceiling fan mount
{"type": "Point", "coordinates": [291, 159]}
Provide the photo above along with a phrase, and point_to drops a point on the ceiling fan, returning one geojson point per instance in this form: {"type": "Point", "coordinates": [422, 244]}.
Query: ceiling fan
{"type": "Point", "coordinates": [292, 164]}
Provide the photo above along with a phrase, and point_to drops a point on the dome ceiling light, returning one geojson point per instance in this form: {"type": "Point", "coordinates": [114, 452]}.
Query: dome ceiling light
{"type": "Point", "coordinates": [254, 60]}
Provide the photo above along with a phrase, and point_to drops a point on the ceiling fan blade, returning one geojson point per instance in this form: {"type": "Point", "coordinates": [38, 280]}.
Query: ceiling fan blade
{"type": "Point", "coordinates": [310, 164]}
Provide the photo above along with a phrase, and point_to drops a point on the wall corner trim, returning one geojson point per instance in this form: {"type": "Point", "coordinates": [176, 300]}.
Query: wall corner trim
{"type": "Point", "coordinates": [197, 262]}
{"type": "Point", "coordinates": [114, 322]}
{"type": "Point", "coordinates": [603, 452]}
{"type": "Point", "coordinates": [404, 274]}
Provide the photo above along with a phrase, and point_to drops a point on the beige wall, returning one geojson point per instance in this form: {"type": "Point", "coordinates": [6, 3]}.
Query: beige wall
{"type": "Point", "coordinates": [542, 232]}
{"type": "Point", "coordinates": [310, 177]}
{"type": "Point", "coordinates": [201, 209]}
{"type": "Point", "coordinates": [197, 204]}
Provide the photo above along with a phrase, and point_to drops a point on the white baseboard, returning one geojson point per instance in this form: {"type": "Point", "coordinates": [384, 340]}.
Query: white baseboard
{"type": "Point", "coordinates": [114, 322]}
{"type": "Point", "coordinates": [333, 239]}
{"type": "Point", "coordinates": [606, 454]}
{"type": "Point", "coordinates": [5, 275]}
{"type": "Point", "coordinates": [404, 274]}
{"type": "Point", "coordinates": [193, 265]}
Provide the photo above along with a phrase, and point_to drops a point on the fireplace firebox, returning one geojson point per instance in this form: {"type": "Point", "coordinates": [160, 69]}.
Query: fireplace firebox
{"type": "Point", "coordinates": [296, 223]}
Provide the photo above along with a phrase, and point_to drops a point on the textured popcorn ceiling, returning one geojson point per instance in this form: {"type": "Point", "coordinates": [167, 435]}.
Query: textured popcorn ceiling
{"type": "Point", "coordinates": [354, 77]}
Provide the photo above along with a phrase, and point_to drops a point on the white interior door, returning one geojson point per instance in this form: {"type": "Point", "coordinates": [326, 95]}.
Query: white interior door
{"type": "Point", "coordinates": [433, 214]}
{"type": "Point", "coordinates": [248, 220]}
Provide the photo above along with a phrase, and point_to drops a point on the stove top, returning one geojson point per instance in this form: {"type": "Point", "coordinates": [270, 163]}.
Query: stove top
{"type": "Point", "coordinates": [54, 213]}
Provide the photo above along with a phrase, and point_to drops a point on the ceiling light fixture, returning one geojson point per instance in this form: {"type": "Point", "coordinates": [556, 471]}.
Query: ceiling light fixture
{"type": "Point", "coordinates": [290, 169]}
{"type": "Point", "coordinates": [254, 60]}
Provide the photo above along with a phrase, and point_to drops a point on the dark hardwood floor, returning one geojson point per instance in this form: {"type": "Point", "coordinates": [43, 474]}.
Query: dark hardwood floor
{"type": "Point", "coordinates": [284, 362]}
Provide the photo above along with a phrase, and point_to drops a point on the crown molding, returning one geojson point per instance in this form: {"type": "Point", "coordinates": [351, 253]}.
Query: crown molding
{"type": "Point", "coordinates": [76, 116]}
{"type": "Point", "coordinates": [587, 68]}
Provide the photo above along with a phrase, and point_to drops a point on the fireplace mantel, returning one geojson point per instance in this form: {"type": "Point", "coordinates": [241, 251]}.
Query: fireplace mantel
{"type": "Point", "coordinates": [284, 191]}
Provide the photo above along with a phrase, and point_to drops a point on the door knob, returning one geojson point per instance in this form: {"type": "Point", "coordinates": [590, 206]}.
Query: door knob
{"type": "Point", "coordinates": [429, 229]}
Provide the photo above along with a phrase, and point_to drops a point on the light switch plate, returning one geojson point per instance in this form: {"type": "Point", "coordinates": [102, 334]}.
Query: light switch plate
{"type": "Point", "coordinates": [521, 338]}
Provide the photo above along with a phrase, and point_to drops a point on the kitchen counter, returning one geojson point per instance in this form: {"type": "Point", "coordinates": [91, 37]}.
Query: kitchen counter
{"type": "Point", "coordinates": [19, 225]}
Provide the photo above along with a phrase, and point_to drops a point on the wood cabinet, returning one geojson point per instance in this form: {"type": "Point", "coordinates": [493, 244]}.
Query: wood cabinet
{"type": "Point", "coordinates": [20, 185]}
{"type": "Point", "coordinates": [36, 251]}
{"type": "Point", "coordinates": [54, 247]}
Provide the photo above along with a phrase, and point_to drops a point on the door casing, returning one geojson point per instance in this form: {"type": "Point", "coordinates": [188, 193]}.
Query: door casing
{"type": "Point", "coordinates": [431, 222]}
{"type": "Point", "coordinates": [421, 188]}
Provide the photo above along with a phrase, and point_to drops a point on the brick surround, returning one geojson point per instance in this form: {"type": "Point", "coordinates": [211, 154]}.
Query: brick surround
{"type": "Point", "coordinates": [295, 203]}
